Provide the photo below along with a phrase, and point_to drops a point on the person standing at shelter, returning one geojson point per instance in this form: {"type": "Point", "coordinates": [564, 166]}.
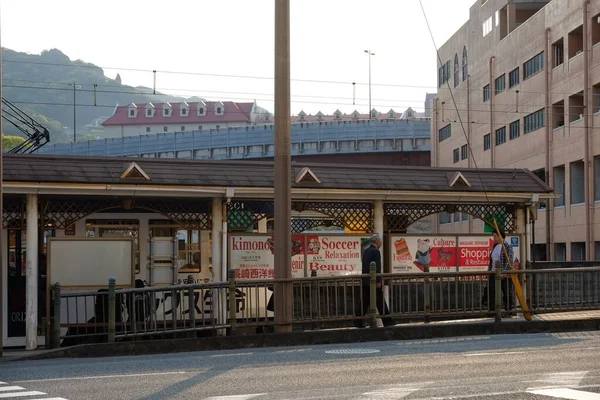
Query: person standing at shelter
{"type": "Point", "coordinates": [499, 255]}
{"type": "Point", "coordinates": [372, 254]}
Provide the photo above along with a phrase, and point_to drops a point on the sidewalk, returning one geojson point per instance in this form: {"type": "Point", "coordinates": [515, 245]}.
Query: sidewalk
{"type": "Point", "coordinates": [545, 323]}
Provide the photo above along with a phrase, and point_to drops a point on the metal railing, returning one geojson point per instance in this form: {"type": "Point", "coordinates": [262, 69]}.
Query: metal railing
{"type": "Point", "coordinates": [318, 302]}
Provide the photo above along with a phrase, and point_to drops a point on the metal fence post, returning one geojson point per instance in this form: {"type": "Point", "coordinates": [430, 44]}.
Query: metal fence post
{"type": "Point", "coordinates": [232, 308]}
{"type": "Point", "coordinates": [314, 300]}
{"type": "Point", "coordinates": [111, 309]}
{"type": "Point", "coordinates": [426, 298]}
{"type": "Point", "coordinates": [192, 302]}
{"type": "Point", "coordinates": [498, 293]}
{"type": "Point", "coordinates": [373, 294]}
{"type": "Point", "coordinates": [56, 322]}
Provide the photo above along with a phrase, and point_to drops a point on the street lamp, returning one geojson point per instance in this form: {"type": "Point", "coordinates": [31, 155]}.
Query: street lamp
{"type": "Point", "coordinates": [370, 54]}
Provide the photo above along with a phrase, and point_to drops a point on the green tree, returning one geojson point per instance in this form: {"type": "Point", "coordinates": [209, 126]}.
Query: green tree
{"type": "Point", "coordinates": [10, 142]}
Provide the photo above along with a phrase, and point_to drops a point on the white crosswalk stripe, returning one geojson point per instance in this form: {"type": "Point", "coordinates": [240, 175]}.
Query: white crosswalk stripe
{"type": "Point", "coordinates": [18, 392]}
{"type": "Point", "coordinates": [564, 393]}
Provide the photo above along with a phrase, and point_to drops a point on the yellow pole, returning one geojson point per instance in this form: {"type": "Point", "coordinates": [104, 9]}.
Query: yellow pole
{"type": "Point", "coordinates": [514, 277]}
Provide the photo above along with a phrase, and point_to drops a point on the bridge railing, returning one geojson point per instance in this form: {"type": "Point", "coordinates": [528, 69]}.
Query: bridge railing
{"type": "Point", "coordinates": [318, 302]}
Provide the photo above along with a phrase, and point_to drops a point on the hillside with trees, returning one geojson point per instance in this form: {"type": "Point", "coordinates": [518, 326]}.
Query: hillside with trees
{"type": "Point", "coordinates": [39, 85]}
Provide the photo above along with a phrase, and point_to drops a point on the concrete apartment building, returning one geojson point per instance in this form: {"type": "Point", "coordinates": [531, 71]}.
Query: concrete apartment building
{"type": "Point", "coordinates": [520, 81]}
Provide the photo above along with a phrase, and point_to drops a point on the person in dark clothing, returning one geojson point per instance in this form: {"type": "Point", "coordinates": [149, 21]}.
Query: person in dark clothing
{"type": "Point", "coordinates": [372, 254]}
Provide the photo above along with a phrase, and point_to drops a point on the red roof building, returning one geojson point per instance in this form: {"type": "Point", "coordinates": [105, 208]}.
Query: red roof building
{"type": "Point", "coordinates": [136, 119]}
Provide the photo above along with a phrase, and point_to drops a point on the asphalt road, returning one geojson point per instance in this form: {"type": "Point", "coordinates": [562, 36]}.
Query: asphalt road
{"type": "Point", "coordinates": [541, 366]}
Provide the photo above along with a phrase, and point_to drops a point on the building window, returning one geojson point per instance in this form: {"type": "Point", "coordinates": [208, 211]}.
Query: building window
{"type": "Point", "coordinates": [576, 183]}
{"type": "Point", "coordinates": [465, 64]}
{"type": "Point", "coordinates": [464, 152]}
{"type": "Point", "coordinates": [596, 97]}
{"type": "Point", "coordinates": [182, 128]}
{"type": "Point", "coordinates": [218, 127]}
{"type": "Point", "coordinates": [487, 142]}
{"type": "Point", "coordinates": [444, 218]}
{"type": "Point", "coordinates": [558, 53]}
{"type": "Point", "coordinates": [201, 111]}
{"type": "Point", "coordinates": [578, 251]}
{"type": "Point", "coordinates": [559, 185]}
{"type": "Point", "coordinates": [487, 27]}
{"type": "Point", "coordinates": [513, 77]}
{"type": "Point", "coordinates": [148, 112]}
{"type": "Point", "coordinates": [132, 113]}
{"type": "Point", "coordinates": [147, 129]}
{"type": "Point", "coordinates": [576, 107]}
{"type": "Point", "coordinates": [534, 121]}
{"type": "Point", "coordinates": [184, 112]}
{"type": "Point", "coordinates": [500, 84]}
{"type": "Point", "coordinates": [560, 251]}
{"type": "Point", "coordinates": [166, 112]}
{"type": "Point", "coordinates": [219, 110]}
{"type": "Point", "coordinates": [533, 66]}
{"type": "Point", "coordinates": [500, 136]}
{"type": "Point", "coordinates": [455, 155]}
{"type": "Point", "coordinates": [445, 133]}
{"type": "Point", "coordinates": [558, 114]}
{"type": "Point", "coordinates": [486, 92]}
{"type": "Point", "coordinates": [165, 128]}
{"type": "Point", "coordinates": [576, 42]}
{"type": "Point", "coordinates": [456, 71]}
{"type": "Point", "coordinates": [444, 73]}
{"type": "Point", "coordinates": [515, 129]}
{"type": "Point", "coordinates": [199, 127]}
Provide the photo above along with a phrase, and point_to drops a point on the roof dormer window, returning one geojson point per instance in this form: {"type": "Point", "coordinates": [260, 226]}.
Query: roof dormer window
{"type": "Point", "coordinates": [337, 114]}
{"type": "Point", "coordinates": [149, 112]}
{"type": "Point", "coordinates": [132, 111]}
{"type": "Point", "coordinates": [201, 109]}
{"type": "Point", "coordinates": [166, 112]}
{"type": "Point", "coordinates": [184, 109]}
{"type": "Point", "coordinates": [219, 108]}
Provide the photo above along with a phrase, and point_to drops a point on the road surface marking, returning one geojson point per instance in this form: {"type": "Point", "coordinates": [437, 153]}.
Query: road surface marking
{"type": "Point", "coordinates": [8, 388]}
{"type": "Point", "coordinates": [392, 393]}
{"type": "Point", "coordinates": [236, 397]}
{"type": "Point", "coordinates": [564, 393]}
{"type": "Point", "coordinates": [560, 379]}
{"type": "Point", "coordinates": [353, 351]}
{"type": "Point", "coordinates": [292, 351]}
{"type": "Point", "coordinates": [20, 394]}
{"type": "Point", "coordinates": [75, 378]}
{"type": "Point", "coordinates": [232, 355]}
{"type": "Point", "coordinates": [498, 353]}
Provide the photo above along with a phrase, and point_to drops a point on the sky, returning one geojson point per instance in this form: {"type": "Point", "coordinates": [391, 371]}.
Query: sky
{"type": "Point", "coordinates": [224, 49]}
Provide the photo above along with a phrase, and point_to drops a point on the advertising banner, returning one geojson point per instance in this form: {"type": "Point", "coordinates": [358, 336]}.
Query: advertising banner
{"type": "Point", "coordinates": [414, 254]}
{"type": "Point", "coordinates": [253, 256]}
{"type": "Point", "coordinates": [335, 255]}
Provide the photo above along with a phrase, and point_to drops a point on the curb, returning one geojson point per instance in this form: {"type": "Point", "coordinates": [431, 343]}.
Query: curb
{"type": "Point", "coordinates": [310, 338]}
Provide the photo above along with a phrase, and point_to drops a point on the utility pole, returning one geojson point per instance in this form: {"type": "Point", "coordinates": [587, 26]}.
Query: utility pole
{"type": "Point", "coordinates": [283, 169]}
{"type": "Point", "coordinates": [75, 87]}
{"type": "Point", "coordinates": [370, 54]}
{"type": "Point", "coordinates": [1, 215]}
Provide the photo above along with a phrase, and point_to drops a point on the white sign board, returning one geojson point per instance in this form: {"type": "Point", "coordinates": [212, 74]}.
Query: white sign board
{"type": "Point", "coordinates": [90, 262]}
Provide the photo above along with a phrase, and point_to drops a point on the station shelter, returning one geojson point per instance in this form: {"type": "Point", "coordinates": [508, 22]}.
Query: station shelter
{"type": "Point", "coordinates": [201, 204]}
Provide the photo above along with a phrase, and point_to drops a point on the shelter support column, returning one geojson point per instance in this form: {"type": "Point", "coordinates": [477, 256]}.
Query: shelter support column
{"type": "Point", "coordinates": [32, 288]}
{"type": "Point", "coordinates": [378, 216]}
{"type": "Point", "coordinates": [217, 231]}
{"type": "Point", "coordinates": [521, 230]}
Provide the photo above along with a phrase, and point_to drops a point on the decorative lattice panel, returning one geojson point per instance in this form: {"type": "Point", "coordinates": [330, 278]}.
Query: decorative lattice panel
{"type": "Point", "coordinates": [189, 214]}
{"type": "Point", "coordinates": [13, 213]}
{"type": "Point", "coordinates": [357, 217]}
{"type": "Point", "coordinates": [300, 225]}
{"type": "Point", "coordinates": [242, 214]}
{"type": "Point", "coordinates": [398, 217]}
{"type": "Point", "coordinates": [64, 212]}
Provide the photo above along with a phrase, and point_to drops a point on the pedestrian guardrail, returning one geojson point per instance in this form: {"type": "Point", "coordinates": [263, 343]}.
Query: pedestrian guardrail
{"type": "Point", "coordinates": [318, 302]}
